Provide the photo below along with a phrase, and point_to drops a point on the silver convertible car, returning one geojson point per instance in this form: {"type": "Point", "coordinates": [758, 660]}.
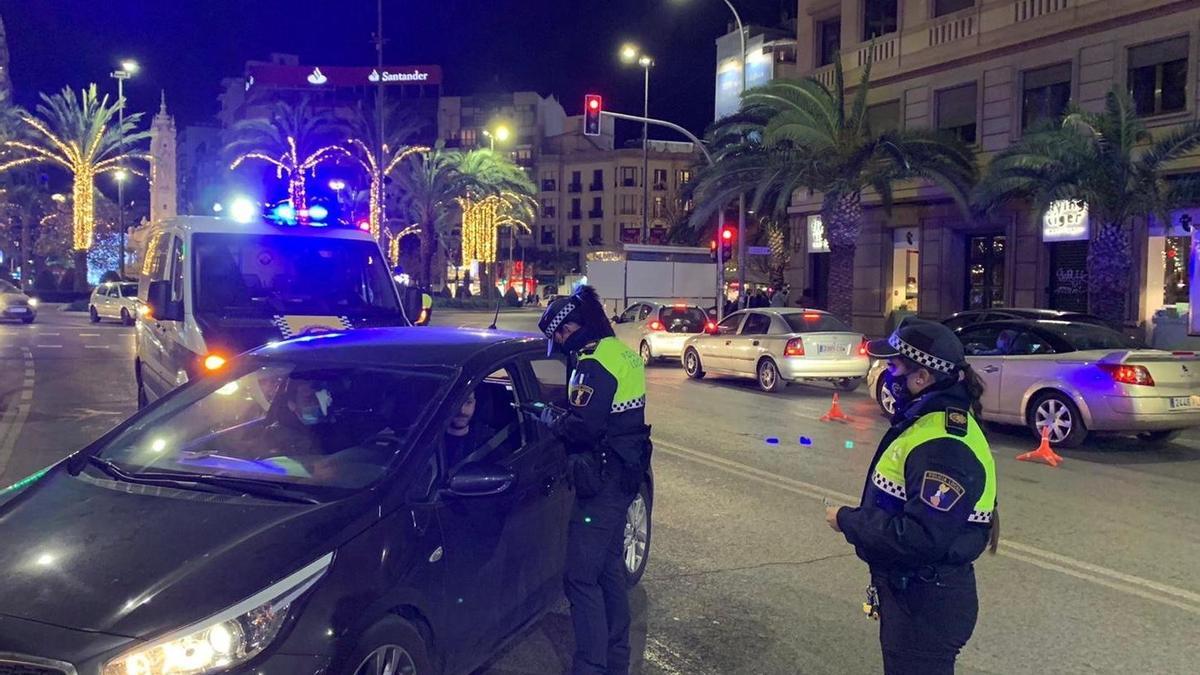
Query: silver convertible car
{"type": "Point", "coordinates": [778, 346]}
{"type": "Point", "coordinates": [1076, 378]}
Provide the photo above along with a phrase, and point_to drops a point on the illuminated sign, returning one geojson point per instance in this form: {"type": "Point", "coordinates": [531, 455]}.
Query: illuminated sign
{"type": "Point", "coordinates": [260, 75]}
{"type": "Point", "coordinates": [817, 243]}
{"type": "Point", "coordinates": [1066, 220]}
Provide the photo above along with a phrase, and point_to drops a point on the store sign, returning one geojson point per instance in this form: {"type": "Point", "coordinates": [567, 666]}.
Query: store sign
{"type": "Point", "coordinates": [906, 237]}
{"type": "Point", "coordinates": [1066, 220]}
{"type": "Point", "coordinates": [817, 243]}
{"type": "Point", "coordinates": [325, 77]}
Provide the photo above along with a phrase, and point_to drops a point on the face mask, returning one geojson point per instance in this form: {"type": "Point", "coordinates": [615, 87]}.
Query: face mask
{"type": "Point", "coordinates": [898, 386]}
{"type": "Point", "coordinates": [310, 416]}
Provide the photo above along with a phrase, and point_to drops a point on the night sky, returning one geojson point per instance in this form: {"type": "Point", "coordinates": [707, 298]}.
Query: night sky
{"type": "Point", "coordinates": [564, 47]}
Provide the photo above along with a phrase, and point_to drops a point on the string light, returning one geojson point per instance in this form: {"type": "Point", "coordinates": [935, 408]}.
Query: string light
{"type": "Point", "coordinates": [369, 161]}
{"type": "Point", "coordinates": [481, 221]}
{"type": "Point", "coordinates": [296, 169]}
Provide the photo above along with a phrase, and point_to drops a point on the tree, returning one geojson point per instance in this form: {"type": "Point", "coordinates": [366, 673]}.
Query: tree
{"type": "Point", "coordinates": [1090, 158]}
{"type": "Point", "coordinates": [83, 136]}
{"type": "Point", "coordinates": [796, 134]}
{"type": "Point", "coordinates": [292, 138]}
{"type": "Point", "coordinates": [399, 128]}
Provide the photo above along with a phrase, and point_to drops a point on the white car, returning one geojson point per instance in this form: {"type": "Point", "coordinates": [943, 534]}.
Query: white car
{"type": "Point", "coordinates": [778, 346]}
{"type": "Point", "coordinates": [16, 305]}
{"type": "Point", "coordinates": [114, 300]}
{"type": "Point", "coordinates": [657, 330]}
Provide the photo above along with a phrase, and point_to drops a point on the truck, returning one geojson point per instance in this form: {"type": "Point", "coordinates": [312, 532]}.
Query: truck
{"type": "Point", "coordinates": [639, 272]}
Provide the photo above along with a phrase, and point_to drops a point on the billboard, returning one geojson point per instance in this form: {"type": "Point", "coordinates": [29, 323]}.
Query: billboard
{"type": "Point", "coordinates": [327, 77]}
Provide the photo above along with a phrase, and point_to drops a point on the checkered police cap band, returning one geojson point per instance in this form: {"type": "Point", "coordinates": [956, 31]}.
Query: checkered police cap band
{"type": "Point", "coordinates": [559, 318]}
{"type": "Point", "coordinates": [923, 358]}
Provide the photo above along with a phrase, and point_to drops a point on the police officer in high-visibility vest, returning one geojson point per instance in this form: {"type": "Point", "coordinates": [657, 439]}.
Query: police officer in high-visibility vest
{"type": "Point", "coordinates": [928, 508]}
{"type": "Point", "coordinates": [608, 446]}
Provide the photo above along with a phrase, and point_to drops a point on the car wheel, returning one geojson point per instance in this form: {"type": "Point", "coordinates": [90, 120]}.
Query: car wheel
{"type": "Point", "coordinates": [644, 351]}
{"type": "Point", "coordinates": [93, 314]}
{"type": "Point", "coordinates": [769, 379]}
{"type": "Point", "coordinates": [1058, 413]}
{"type": "Point", "coordinates": [1159, 436]}
{"type": "Point", "coordinates": [391, 647]}
{"type": "Point", "coordinates": [885, 399]}
{"type": "Point", "coordinates": [691, 364]}
{"type": "Point", "coordinates": [28, 319]}
{"type": "Point", "coordinates": [637, 535]}
{"type": "Point", "coordinates": [126, 317]}
{"type": "Point", "coordinates": [848, 383]}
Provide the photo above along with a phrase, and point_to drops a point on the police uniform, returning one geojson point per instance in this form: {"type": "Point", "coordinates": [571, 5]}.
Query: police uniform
{"type": "Point", "coordinates": [608, 448]}
{"type": "Point", "coordinates": [926, 511]}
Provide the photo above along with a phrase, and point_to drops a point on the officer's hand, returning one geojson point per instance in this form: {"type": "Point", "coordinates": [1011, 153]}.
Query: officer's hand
{"type": "Point", "coordinates": [831, 517]}
{"type": "Point", "coordinates": [547, 416]}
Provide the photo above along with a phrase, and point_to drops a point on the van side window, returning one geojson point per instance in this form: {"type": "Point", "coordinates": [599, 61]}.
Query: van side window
{"type": "Point", "coordinates": [158, 259]}
{"type": "Point", "coordinates": [177, 263]}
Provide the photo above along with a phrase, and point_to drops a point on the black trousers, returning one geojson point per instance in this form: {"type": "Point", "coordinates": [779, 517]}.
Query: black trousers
{"type": "Point", "coordinates": [925, 623]}
{"type": "Point", "coordinates": [596, 584]}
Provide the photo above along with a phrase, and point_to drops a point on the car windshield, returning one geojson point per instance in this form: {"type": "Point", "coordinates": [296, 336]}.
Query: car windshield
{"type": "Point", "coordinates": [128, 290]}
{"type": "Point", "coordinates": [813, 322]}
{"type": "Point", "coordinates": [284, 423]}
{"type": "Point", "coordinates": [683, 319]}
{"type": "Point", "coordinates": [1085, 336]}
{"type": "Point", "coordinates": [277, 274]}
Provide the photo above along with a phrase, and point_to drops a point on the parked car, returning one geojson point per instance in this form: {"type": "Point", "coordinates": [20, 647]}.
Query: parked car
{"type": "Point", "coordinates": [973, 316]}
{"type": "Point", "coordinates": [15, 305]}
{"type": "Point", "coordinates": [114, 300]}
{"type": "Point", "coordinates": [1075, 378]}
{"type": "Point", "coordinates": [658, 330]}
{"type": "Point", "coordinates": [780, 345]}
{"type": "Point", "coordinates": [297, 511]}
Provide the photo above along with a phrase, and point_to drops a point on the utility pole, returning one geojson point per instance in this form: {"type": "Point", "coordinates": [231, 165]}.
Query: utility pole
{"type": "Point", "coordinates": [379, 101]}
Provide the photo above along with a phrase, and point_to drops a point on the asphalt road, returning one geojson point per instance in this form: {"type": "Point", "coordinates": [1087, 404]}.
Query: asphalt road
{"type": "Point", "coordinates": [1097, 570]}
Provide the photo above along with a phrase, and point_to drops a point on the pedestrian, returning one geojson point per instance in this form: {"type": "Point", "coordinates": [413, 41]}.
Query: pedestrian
{"type": "Point", "coordinates": [928, 508]}
{"type": "Point", "coordinates": [780, 298]}
{"type": "Point", "coordinates": [608, 445]}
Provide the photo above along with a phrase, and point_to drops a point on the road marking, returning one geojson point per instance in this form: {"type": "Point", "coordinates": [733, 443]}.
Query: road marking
{"type": "Point", "coordinates": [50, 334]}
{"type": "Point", "coordinates": [1180, 598]}
{"type": "Point", "coordinates": [89, 335]}
{"type": "Point", "coordinates": [48, 346]}
{"type": "Point", "coordinates": [95, 346]}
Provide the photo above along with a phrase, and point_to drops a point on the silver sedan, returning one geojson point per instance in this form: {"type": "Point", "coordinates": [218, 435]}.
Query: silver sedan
{"type": "Point", "coordinates": [658, 330]}
{"type": "Point", "coordinates": [1075, 378]}
{"type": "Point", "coordinates": [778, 346]}
{"type": "Point", "coordinates": [14, 304]}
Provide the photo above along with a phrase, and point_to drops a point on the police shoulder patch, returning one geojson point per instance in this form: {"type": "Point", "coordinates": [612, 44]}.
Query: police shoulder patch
{"type": "Point", "coordinates": [956, 421]}
{"type": "Point", "coordinates": [940, 491]}
{"type": "Point", "coordinates": [581, 395]}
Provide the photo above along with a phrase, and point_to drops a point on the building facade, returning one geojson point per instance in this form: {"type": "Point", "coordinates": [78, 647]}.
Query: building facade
{"type": "Point", "coordinates": [987, 70]}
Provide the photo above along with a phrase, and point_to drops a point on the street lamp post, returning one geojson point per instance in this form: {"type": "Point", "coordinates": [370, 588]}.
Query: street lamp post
{"type": "Point", "coordinates": [631, 54]}
{"type": "Point", "coordinates": [127, 69]}
{"type": "Point", "coordinates": [502, 134]}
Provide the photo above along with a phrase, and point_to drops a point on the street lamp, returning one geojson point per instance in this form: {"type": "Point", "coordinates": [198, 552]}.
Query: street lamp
{"type": "Point", "coordinates": [502, 134]}
{"type": "Point", "coordinates": [630, 54]}
{"type": "Point", "coordinates": [128, 68]}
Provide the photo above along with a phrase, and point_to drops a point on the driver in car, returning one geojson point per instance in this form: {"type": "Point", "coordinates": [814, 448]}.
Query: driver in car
{"type": "Point", "coordinates": [464, 437]}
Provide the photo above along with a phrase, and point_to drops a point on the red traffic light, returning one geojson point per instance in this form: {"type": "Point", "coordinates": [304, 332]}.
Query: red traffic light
{"type": "Point", "coordinates": [592, 105]}
{"type": "Point", "coordinates": [593, 102]}
{"type": "Point", "coordinates": [727, 234]}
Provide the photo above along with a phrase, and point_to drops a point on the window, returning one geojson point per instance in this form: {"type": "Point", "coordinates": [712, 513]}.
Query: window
{"type": "Point", "coordinates": [547, 235]}
{"type": "Point", "coordinates": [126, 290]}
{"type": "Point", "coordinates": [468, 137]}
{"type": "Point", "coordinates": [629, 176]}
{"type": "Point", "coordinates": [631, 314]}
{"type": "Point", "coordinates": [597, 234]}
{"type": "Point", "coordinates": [575, 207]}
{"type": "Point", "coordinates": [597, 204]}
{"type": "Point", "coordinates": [487, 426]}
{"type": "Point", "coordinates": [944, 7]}
{"type": "Point", "coordinates": [660, 207]}
{"type": "Point", "coordinates": [575, 235]}
{"type": "Point", "coordinates": [956, 112]}
{"type": "Point", "coordinates": [829, 40]}
{"type": "Point", "coordinates": [660, 179]}
{"type": "Point", "coordinates": [814, 322]}
{"type": "Point", "coordinates": [551, 375]}
{"type": "Point", "coordinates": [1029, 344]}
{"type": "Point", "coordinates": [177, 263]}
{"type": "Point", "coordinates": [683, 319]}
{"type": "Point", "coordinates": [576, 177]}
{"type": "Point", "coordinates": [879, 18]}
{"type": "Point", "coordinates": [1046, 92]}
{"type": "Point", "coordinates": [1158, 76]}
{"type": "Point", "coordinates": [158, 261]}
{"type": "Point", "coordinates": [598, 179]}
{"type": "Point", "coordinates": [729, 324]}
{"type": "Point", "coordinates": [985, 340]}
{"type": "Point", "coordinates": [644, 313]}
{"type": "Point", "coordinates": [756, 324]}
{"type": "Point", "coordinates": [884, 117]}
{"type": "Point", "coordinates": [628, 205]}
{"type": "Point", "coordinates": [683, 176]}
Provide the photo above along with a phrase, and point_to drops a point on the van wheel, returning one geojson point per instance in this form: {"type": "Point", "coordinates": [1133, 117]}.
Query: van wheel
{"type": "Point", "coordinates": [391, 647]}
{"type": "Point", "coordinates": [126, 318]}
{"type": "Point", "coordinates": [93, 314]}
{"type": "Point", "coordinates": [691, 364]}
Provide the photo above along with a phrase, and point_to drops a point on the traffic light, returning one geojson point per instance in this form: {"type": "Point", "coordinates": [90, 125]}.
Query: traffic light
{"type": "Point", "coordinates": [591, 114]}
{"type": "Point", "coordinates": [727, 243]}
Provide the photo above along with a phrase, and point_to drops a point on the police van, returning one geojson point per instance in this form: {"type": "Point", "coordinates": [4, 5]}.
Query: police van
{"type": "Point", "coordinates": [212, 288]}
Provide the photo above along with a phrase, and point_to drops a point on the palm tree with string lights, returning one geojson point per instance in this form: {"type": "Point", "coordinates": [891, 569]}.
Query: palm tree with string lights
{"type": "Point", "coordinates": [294, 139]}
{"type": "Point", "coordinates": [82, 135]}
{"type": "Point", "coordinates": [399, 128]}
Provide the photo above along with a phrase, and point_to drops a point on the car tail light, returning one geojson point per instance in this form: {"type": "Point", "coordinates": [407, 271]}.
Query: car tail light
{"type": "Point", "coordinates": [710, 327]}
{"type": "Point", "coordinates": [655, 325]}
{"type": "Point", "coordinates": [795, 347]}
{"type": "Point", "coordinates": [214, 362]}
{"type": "Point", "coordinates": [862, 347]}
{"type": "Point", "coordinates": [1128, 374]}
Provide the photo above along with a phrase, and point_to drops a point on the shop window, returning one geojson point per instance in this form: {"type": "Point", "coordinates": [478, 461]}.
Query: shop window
{"type": "Point", "coordinates": [884, 117]}
{"type": "Point", "coordinates": [879, 18]}
{"type": "Point", "coordinates": [829, 40]}
{"type": "Point", "coordinates": [1157, 76]}
{"type": "Point", "coordinates": [985, 272]}
{"type": "Point", "coordinates": [944, 7]}
{"type": "Point", "coordinates": [1068, 276]}
{"type": "Point", "coordinates": [1177, 270]}
{"type": "Point", "coordinates": [1045, 94]}
{"type": "Point", "coordinates": [956, 112]}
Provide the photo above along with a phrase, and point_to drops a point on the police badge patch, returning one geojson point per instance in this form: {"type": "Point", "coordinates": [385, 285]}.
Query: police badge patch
{"type": "Point", "coordinates": [940, 491]}
{"type": "Point", "coordinates": [956, 421]}
{"type": "Point", "coordinates": [581, 395]}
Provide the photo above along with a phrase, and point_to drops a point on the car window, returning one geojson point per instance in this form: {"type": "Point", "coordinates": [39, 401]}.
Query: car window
{"type": "Point", "coordinates": [729, 324]}
{"type": "Point", "coordinates": [294, 424]}
{"type": "Point", "coordinates": [682, 319]}
{"type": "Point", "coordinates": [756, 324]}
{"type": "Point", "coordinates": [158, 261]}
{"type": "Point", "coordinates": [956, 322]}
{"type": "Point", "coordinates": [630, 314]}
{"type": "Point", "coordinates": [644, 313]}
{"type": "Point", "coordinates": [127, 290]}
{"type": "Point", "coordinates": [814, 322]}
{"type": "Point", "coordinates": [1028, 343]}
{"type": "Point", "coordinates": [983, 340]}
{"type": "Point", "coordinates": [484, 424]}
{"type": "Point", "coordinates": [551, 375]}
{"type": "Point", "coordinates": [1085, 336]}
{"type": "Point", "coordinates": [995, 316]}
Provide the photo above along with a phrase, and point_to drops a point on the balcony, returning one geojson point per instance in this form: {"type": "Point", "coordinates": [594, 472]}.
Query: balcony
{"type": "Point", "coordinates": [549, 212]}
{"type": "Point", "coordinates": [660, 187]}
{"type": "Point", "coordinates": [575, 242]}
{"type": "Point", "coordinates": [628, 182]}
{"type": "Point", "coordinates": [576, 215]}
{"type": "Point", "coordinates": [596, 241]}
{"type": "Point", "coordinates": [596, 213]}
{"type": "Point", "coordinates": [575, 187]}
{"type": "Point", "coordinates": [549, 186]}
{"type": "Point", "coordinates": [596, 187]}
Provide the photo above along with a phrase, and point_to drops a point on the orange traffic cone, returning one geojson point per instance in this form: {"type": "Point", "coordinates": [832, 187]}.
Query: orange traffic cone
{"type": "Point", "coordinates": [835, 413]}
{"type": "Point", "coordinates": [1043, 453]}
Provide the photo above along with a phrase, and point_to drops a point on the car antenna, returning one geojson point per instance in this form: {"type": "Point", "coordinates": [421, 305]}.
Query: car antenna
{"type": "Point", "coordinates": [496, 317]}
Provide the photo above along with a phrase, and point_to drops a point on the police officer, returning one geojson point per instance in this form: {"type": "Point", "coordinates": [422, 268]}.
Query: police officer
{"type": "Point", "coordinates": [608, 446]}
{"type": "Point", "coordinates": [928, 508]}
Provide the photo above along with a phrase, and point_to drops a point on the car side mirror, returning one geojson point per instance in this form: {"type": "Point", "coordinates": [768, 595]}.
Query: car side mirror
{"type": "Point", "coordinates": [480, 480]}
{"type": "Point", "coordinates": [158, 297]}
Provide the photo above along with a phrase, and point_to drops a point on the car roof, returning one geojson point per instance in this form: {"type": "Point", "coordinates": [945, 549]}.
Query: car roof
{"type": "Point", "coordinates": [406, 346]}
{"type": "Point", "coordinates": [211, 225]}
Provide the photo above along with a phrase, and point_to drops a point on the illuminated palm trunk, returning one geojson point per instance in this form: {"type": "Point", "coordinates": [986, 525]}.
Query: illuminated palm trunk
{"type": "Point", "coordinates": [83, 222]}
{"type": "Point", "coordinates": [296, 190]}
{"type": "Point", "coordinates": [375, 216]}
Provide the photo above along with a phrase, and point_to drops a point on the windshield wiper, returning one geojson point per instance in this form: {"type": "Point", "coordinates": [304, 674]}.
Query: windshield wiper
{"type": "Point", "coordinates": [185, 480]}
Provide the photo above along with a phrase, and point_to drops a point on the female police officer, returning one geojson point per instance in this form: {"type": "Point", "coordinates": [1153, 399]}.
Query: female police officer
{"type": "Point", "coordinates": [929, 504]}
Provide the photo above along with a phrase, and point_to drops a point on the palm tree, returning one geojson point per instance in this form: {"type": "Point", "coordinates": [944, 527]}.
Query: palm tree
{"type": "Point", "coordinates": [1090, 158]}
{"type": "Point", "coordinates": [293, 139]}
{"type": "Point", "coordinates": [399, 128]}
{"type": "Point", "coordinates": [795, 134]}
{"type": "Point", "coordinates": [83, 136]}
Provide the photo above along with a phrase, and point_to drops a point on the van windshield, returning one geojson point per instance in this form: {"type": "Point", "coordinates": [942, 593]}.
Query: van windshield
{"type": "Point", "coordinates": [266, 275]}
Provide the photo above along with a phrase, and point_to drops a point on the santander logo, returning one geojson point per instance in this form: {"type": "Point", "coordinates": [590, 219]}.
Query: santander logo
{"type": "Point", "coordinates": [317, 77]}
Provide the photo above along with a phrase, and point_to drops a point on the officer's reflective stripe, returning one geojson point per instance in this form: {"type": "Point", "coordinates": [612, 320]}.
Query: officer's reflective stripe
{"type": "Point", "coordinates": [889, 486]}
{"type": "Point", "coordinates": [636, 403]}
{"type": "Point", "coordinates": [932, 426]}
{"type": "Point", "coordinates": [980, 517]}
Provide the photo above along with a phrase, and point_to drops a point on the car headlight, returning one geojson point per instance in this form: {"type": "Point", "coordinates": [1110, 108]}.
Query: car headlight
{"type": "Point", "coordinates": [226, 639]}
{"type": "Point", "coordinates": [33, 302]}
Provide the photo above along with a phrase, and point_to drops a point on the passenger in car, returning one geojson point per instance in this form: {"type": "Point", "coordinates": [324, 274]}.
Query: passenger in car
{"type": "Point", "coordinates": [464, 435]}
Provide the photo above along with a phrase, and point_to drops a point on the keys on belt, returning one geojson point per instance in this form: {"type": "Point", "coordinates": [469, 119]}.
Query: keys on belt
{"type": "Point", "coordinates": [871, 606]}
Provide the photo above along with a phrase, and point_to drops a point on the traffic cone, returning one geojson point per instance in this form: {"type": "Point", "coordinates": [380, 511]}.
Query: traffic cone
{"type": "Point", "coordinates": [1043, 453]}
{"type": "Point", "coordinates": [835, 413]}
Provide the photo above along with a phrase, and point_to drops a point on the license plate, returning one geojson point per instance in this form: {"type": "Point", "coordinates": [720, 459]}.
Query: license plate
{"type": "Point", "coordinates": [1185, 402]}
{"type": "Point", "coordinates": [831, 349]}
{"type": "Point", "coordinates": [18, 310]}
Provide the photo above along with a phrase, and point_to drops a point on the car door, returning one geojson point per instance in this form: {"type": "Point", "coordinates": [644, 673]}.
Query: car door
{"type": "Point", "coordinates": [1029, 361]}
{"type": "Point", "coordinates": [103, 301]}
{"type": "Point", "coordinates": [627, 328]}
{"type": "Point", "coordinates": [156, 372]}
{"type": "Point", "coordinates": [716, 351]}
{"type": "Point", "coordinates": [749, 341]}
{"type": "Point", "coordinates": [980, 345]}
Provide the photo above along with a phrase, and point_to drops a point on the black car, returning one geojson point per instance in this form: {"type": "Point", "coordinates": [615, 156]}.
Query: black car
{"type": "Point", "coordinates": [304, 510]}
{"type": "Point", "coordinates": [974, 316]}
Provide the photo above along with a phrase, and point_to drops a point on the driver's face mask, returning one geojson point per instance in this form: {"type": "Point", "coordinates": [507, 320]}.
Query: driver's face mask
{"type": "Point", "coordinates": [315, 407]}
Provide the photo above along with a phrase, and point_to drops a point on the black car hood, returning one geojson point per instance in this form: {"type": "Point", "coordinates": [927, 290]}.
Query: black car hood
{"type": "Point", "coordinates": [234, 335]}
{"type": "Point", "coordinates": [136, 560]}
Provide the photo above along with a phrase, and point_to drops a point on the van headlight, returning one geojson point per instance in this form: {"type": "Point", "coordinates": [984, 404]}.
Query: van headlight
{"type": "Point", "coordinates": [226, 639]}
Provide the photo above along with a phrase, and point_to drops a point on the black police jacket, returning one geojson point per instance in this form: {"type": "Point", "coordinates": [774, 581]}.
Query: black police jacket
{"type": "Point", "coordinates": [593, 423]}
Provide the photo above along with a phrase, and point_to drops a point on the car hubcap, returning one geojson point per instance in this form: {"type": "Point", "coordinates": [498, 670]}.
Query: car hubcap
{"type": "Point", "coordinates": [691, 362]}
{"type": "Point", "coordinates": [766, 375]}
{"type": "Point", "coordinates": [887, 401]}
{"type": "Point", "coordinates": [636, 534]}
{"type": "Point", "coordinates": [1056, 416]}
{"type": "Point", "coordinates": [645, 353]}
{"type": "Point", "coordinates": [387, 660]}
